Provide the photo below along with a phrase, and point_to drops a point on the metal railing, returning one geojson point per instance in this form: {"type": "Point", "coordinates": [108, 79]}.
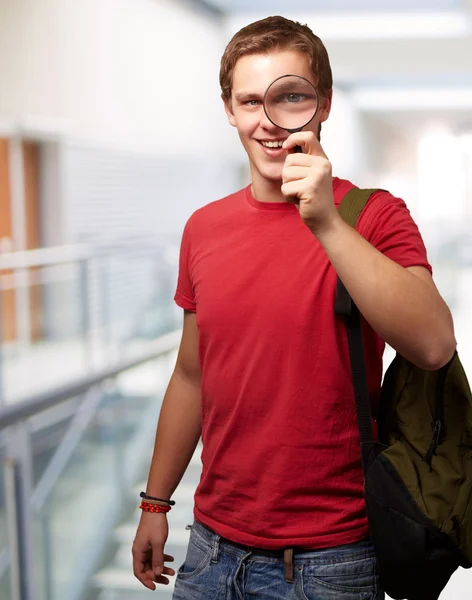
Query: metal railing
{"type": "Point", "coordinates": [24, 499]}
{"type": "Point", "coordinates": [105, 313]}
{"type": "Point", "coordinates": [87, 299]}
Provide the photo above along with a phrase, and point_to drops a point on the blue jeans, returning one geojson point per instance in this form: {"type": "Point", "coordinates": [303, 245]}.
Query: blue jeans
{"type": "Point", "coordinates": [216, 569]}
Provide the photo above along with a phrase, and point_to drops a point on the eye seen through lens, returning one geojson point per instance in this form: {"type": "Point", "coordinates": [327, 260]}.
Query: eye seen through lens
{"type": "Point", "coordinates": [291, 102]}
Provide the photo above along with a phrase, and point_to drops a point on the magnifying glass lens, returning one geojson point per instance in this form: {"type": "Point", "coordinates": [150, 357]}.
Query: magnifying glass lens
{"type": "Point", "coordinates": [291, 102]}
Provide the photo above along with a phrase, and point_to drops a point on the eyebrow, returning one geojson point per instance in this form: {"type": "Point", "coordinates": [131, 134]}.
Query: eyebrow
{"type": "Point", "coordinates": [247, 96]}
{"type": "Point", "coordinates": [294, 87]}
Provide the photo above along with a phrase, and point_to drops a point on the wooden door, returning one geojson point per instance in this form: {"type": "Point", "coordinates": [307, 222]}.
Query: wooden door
{"type": "Point", "coordinates": [31, 161]}
{"type": "Point", "coordinates": [7, 297]}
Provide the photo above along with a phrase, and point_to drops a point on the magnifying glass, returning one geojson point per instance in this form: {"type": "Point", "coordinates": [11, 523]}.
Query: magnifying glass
{"type": "Point", "coordinates": [291, 103]}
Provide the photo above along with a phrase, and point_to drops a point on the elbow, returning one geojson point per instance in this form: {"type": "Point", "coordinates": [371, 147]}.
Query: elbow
{"type": "Point", "coordinates": [439, 354]}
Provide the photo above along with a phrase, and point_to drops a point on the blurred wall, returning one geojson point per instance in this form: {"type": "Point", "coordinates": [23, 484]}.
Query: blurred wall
{"type": "Point", "coordinates": [342, 137]}
{"type": "Point", "coordinates": [140, 72]}
{"type": "Point", "coordinates": [125, 99]}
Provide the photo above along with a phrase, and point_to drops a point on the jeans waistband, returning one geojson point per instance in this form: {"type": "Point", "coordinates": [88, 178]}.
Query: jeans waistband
{"type": "Point", "coordinates": [210, 536]}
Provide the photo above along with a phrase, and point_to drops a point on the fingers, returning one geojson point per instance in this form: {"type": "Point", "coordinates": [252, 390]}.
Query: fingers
{"type": "Point", "coordinates": [144, 574]}
{"type": "Point", "coordinates": [141, 555]}
{"type": "Point", "coordinates": [307, 161]}
{"type": "Point", "coordinates": [150, 577]}
{"type": "Point", "coordinates": [294, 174]}
{"type": "Point", "coordinates": [158, 574]}
{"type": "Point", "coordinates": [298, 160]}
{"type": "Point", "coordinates": [168, 570]}
{"type": "Point", "coordinates": [307, 140]}
{"type": "Point", "coordinates": [158, 566]}
{"type": "Point", "coordinates": [294, 191]}
{"type": "Point", "coordinates": [147, 576]}
{"type": "Point", "coordinates": [149, 568]}
{"type": "Point", "coordinates": [291, 191]}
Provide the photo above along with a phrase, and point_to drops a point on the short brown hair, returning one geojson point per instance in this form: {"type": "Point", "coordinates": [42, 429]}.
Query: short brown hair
{"type": "Point", "coordinates": [276, 33]}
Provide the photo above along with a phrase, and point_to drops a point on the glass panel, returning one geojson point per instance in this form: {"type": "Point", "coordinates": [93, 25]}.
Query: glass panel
{"type": "Point", "coordinates": [5, 591]}
{"type": "Point", "coordinates": [47, 431]}
{"type": "Point", "coordinates": [139, 290]}
{"type": "Point", "coordinates": [52, 323]}
{"type": "Point", "coordinates": [3, 522]}
{"type": "Point", "coordinates": [88, 313]}
{"type": "Point", "coordinates": [75, 525]}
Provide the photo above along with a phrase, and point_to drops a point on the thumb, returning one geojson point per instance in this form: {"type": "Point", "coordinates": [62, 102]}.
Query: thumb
{"type": "Point", "coordinates": [306, 140]}
{"type": "Point", "coordinates": [157, 560]}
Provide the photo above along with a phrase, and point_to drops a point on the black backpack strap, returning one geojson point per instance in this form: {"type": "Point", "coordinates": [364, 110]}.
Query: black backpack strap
{"type": "Point", "coordinates": [350, 208]}
{"type": "Point", "coordinates": [360, 384]}
{"type": "Point", "coordinates": [353, 204]}
{"type": "Point", "coordinates": [439, 425]}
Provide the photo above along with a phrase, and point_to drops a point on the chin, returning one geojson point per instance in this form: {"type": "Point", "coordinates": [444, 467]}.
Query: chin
{"type": "Point", "coordinates": [274, 175]}
{"type": "Point", "coordinates": [271, 172]}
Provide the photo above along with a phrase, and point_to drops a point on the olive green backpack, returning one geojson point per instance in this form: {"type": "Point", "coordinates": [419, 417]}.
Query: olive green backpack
{"type": "Point", "coordinates": [418, 476]}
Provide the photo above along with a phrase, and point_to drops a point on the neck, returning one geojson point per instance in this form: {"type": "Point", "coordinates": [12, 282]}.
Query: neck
{"type": "Point", "coordinates": [265, 190]}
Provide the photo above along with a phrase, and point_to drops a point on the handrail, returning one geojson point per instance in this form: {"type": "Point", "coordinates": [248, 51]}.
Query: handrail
{"type": "Point", "coordinates": [57, 255]}
{"type": "Point", "coordinates": [45, 257]}
{"type": "Point", "coordinates": [66, 448]}
{"type": "Point", "coordinates": [39, 402]}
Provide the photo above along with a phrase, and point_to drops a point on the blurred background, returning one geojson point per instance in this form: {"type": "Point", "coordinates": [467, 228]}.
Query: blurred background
{"type": "Point", "coordinates": [112, 133]}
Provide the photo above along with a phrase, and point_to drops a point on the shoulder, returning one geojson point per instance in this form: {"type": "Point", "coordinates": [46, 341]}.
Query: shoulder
{"type": "Point", "coordinates": [379, 211]}
{"type": "Point", "coordinates": [386, 214]}
{"type": "Point", "coordinates": [217, 209]}
{"type": "Point", "coordinates": [387, 224]}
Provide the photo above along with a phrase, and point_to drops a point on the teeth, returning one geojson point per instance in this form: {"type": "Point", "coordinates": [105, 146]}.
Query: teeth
{"type": "Point", "coordinates": [272, 144]}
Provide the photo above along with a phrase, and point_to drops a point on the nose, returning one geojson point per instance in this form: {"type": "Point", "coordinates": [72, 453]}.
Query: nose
{"type": "Point", "coordinates": [266, 123]}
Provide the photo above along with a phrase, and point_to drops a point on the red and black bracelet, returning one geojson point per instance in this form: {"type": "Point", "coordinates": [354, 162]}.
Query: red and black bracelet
{"type": "Point", "coordinates": [154, 508]}
{"type": "Point", "coordinates": [147, 497]}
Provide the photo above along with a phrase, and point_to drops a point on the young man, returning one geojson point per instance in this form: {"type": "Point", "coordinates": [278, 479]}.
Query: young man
{"type": "Point", "coordinates": [263, 369]}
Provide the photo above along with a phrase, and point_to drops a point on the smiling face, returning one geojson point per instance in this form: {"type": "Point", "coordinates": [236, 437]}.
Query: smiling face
{"type": "Point", "coordinates": [261, 139]}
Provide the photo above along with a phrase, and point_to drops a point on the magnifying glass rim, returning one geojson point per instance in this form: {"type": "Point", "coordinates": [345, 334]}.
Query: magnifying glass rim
{"type": "Point", "coordinates": [291, 129]}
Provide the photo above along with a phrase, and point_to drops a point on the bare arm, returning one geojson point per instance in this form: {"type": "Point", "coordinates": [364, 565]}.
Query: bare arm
{"type": "Point", "coordinates": [179, 426]}
{"type": "Point", "coordinates": [402, 305]}
{"type": "Point", "coordinates": [178, 431]}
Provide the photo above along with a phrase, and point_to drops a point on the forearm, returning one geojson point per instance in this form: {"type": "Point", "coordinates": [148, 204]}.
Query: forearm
{"type": "Point", "coordinates": [406, 311]}
{"type": "Point", "coordinates": [178, 432]}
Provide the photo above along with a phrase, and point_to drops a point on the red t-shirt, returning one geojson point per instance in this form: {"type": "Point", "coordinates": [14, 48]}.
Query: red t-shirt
{"type": "Point", "coordinates": [281, 453]}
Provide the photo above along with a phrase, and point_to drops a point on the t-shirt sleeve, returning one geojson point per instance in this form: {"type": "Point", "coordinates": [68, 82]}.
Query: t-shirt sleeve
{"type": "Point", "coordinates": [388, 225]}
{"type": "Point", "coordinates": [184, 295]}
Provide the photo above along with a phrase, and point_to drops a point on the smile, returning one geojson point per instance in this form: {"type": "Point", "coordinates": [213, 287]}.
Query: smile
{"type": "Point", "coordinates": [272, 144]}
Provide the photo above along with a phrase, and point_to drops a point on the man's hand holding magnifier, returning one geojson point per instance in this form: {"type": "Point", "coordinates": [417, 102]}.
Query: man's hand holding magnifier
{"type": "Point", "coordinates": [291, 102]}
{"type": "Point", "coordinates": [307, 181]}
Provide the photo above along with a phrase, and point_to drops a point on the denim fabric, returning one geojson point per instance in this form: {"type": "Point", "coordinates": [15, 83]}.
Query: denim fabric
{"type": "Point", "coordinates": [215, 569]}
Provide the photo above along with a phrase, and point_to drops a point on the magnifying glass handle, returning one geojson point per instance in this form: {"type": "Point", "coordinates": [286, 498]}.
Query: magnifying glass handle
{"type": "Point", "coordinates": [294, 199]}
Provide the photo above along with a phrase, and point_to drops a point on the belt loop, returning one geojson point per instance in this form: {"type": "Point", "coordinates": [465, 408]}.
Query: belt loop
{"type": "Point", "coordinates": [288, 563]}
{"type": "Point", "coordinates": [241, 571]}
{"type": "Point", "coordinates": [216, 549]}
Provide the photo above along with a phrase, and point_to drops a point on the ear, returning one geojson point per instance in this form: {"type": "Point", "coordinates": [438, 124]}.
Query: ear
{"type": "Point", "coordinates": [229, 112]}
{"type": "Point", "coordinates": [325, 108]}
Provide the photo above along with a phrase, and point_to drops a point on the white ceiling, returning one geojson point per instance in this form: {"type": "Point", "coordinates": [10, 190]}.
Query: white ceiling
{"type": "Point", "coordinates": [409, 46]}
{"type": "Point", "coordinates": [279, 6]}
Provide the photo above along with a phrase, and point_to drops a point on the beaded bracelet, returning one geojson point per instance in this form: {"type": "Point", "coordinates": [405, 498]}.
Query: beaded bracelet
{"type": "Point", "coordinates": [146, 497]}
{"type": "Point", "coordinates": [154, 508]}
{"type": "Point", "coordinates": [156, 502]}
